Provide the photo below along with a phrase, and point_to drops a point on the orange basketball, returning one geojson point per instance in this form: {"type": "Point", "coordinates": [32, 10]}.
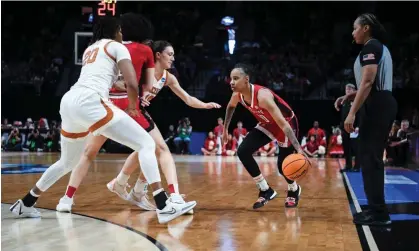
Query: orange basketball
{"type": "Point", "coordinates": [295, 166]}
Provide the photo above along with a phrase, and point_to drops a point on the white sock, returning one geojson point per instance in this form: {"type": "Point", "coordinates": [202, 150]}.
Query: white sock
{"type": "Point", "coordinates": [33, 193]}
{"type": "Point", "coordinates": [261, 182]}
{"type": "Point", "coordinates": [140, 186]}
{"type": "Point", "coordinates": [293, 187]}
{"type": "Point", "coordinates": [157, 191]}
{"type": "Point", "coordinates": [122, 178]}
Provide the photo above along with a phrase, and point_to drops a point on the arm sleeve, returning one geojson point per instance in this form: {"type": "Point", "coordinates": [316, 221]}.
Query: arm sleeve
{"type": "Point", "coordinates": [371, 53]}
{"type": "Point", "coordinates": [117, 51]}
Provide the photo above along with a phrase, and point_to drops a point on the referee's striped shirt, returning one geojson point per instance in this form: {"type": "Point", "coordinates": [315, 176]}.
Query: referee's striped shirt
{"type": "Point", "coordinates": [374, 52]}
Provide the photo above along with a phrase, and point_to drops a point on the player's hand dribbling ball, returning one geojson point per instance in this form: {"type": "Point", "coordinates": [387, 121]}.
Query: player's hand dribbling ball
{"type": "Point", "coordinates": [295, 166]}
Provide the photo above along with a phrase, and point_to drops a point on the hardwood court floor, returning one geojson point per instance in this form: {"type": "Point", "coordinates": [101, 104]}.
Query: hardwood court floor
{"type": "Point", "coordinates": [223, 219]}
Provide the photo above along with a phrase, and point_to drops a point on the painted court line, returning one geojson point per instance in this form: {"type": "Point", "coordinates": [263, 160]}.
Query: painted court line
{"type": "Point", "coordinates": [367, 231]}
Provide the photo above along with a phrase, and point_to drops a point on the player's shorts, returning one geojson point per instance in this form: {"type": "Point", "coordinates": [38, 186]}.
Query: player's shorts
{"type": "Point", "coordinates": [84, 111]}
{"type": "Point", "coordinates": [273, 131]}
{"type": "Point", "coordinates": [144, 119]}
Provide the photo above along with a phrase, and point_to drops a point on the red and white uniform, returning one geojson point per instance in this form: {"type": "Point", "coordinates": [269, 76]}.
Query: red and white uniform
{"type": "Point", "coordinates": [142, 58]}
{"type": "Point", "coordinates": [336, 147]}
{"type": "Point", "coordinates": [267, 124]}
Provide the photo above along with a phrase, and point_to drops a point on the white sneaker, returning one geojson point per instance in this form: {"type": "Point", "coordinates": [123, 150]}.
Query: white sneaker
{"type": "Point", "coordinates": [120, 190]}
{"type": "Point", "coordinates": [175, 207]}
{"type": "Point", "coordinates": [190, 212]}
{"type": "Point", "coordinates": [65, 204]}
{"type": "Point", "coordinates": [141, 200]}
{"type": "Point", "coordinates": [23, 211]}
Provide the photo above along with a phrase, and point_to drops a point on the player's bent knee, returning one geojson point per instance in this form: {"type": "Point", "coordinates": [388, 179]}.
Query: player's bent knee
{"type": "Point", "coordinates": [161, 148]}
{"type": "Point", "coordinates": [90, 152]}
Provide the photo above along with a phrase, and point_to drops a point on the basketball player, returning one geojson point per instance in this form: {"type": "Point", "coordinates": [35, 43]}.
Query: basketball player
{"type": "Point", "coordinates": [277, 121]}
{"type": "Point", "coordinates": [85, 109]}
{"type": "Point", "coordinates": [377, 107]}
{"type": "Point", "coordinates": [164, 56]}
{"type": "Point", "coordinates": [138, 32]}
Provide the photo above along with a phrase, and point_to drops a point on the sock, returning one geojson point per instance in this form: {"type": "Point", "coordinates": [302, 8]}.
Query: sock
{"type": "Point", "coordinates": [160, 198]}
{"type": "Point", "coordinates": [140, 186]}
{"type": "Point", "coordinates": [122, 178]}
{"type": "Point", "coordinates": [261, 182]}
{"type": "Point", "coordinates": [70, 191]}
{"type": "Point", "coordinates": [293, 187]}
{"type": "Point", "coordinates": [30, 199]}
{"type": "Point", "coordinates": [174, 188]}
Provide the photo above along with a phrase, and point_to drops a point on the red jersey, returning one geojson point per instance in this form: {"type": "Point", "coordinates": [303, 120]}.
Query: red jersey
{"type": "Point", "coordinates": [237, 132]}
{"type": "Point", "coordinates": [218, 130]}
{"type": "Point", "coordinates": [267, 123]}
{"type": "Point", "coordinates": [311, 146]}
{"type": "Point", "coordinates": [142, 58]}
{"type": "Point", "coordinates": [318, 133]}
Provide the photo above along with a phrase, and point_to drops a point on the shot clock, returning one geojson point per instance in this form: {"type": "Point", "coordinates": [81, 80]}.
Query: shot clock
{"type": "Point", "coordinates": [106, 7]}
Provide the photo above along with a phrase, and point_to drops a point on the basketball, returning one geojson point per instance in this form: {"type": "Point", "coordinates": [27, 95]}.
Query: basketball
{"type": "Point", "coordinates": [295, 166]}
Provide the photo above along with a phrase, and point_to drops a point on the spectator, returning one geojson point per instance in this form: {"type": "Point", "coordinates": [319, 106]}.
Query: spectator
{"type": "Point", "coordinates": [14, 142]}
{"type": "Point", "coordinates": [218, 131]}
{"type": "Point", "coordinates": [402, 146]}
{"type": "Point", "coordinates": [51, 140]}
{"type": "Point", "coordinates": [35, 141]}
{"type": "Point", "coordinates": [319, 133]}
{"type": "Point", "coordinates": [230, 148]}
{"type": "Point", "coordinates": [170, 136]}
{"type": "Point", "coordinates": [183, 138]}
{"type": "Point", "coordinates": [336, 147]}
{"type": "Point", "coordinates": [390, 151]}
{"type": "Point", "coordinates": [210, 145]}
{"type": "Point", "coordinates": [311, 147]}
{"type": "Point", "coordinates": [239, 133]}
{"type": "Point", "coordinates": [268, 150]}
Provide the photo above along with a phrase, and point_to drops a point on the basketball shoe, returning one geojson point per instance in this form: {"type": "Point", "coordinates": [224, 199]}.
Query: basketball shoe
{"type": "Point", "coordinates": [293, 197]}
{"type": "Point", "coordinates": [65, 204]}
{"type": "Point", "coordinates": [23, 211]}
{"type": "Point", "coordinates": [264, 197]}
{"type": "Point", "coordinates": [175, 207]}
{"type": "Point", "coordinates": [120, 190]}
{"type": "Point", "coordinates": [141, 200]}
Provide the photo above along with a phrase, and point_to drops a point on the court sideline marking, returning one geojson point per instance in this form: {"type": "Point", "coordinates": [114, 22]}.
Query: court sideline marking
{"type": "Point", "coordinates": [367, 231]}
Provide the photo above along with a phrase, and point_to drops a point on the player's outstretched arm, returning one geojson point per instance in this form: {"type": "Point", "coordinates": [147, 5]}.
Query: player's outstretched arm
{"type": "Point", "coordinates": [174, 85]}
{"type": "Point", "coordinates": [231, 107]}
{"type": "Point", "coordinates": [266, 101]}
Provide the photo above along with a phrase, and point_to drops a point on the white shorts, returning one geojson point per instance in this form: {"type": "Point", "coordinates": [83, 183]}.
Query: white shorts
{"type": "Point", "coordinates": [84, 111]}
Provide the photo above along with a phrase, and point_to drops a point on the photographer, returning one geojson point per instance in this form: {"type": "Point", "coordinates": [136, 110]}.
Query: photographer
{"type": "Point", "coordinates": [35, 141]}
{"type": "Point", "coordinates": [14, 142]}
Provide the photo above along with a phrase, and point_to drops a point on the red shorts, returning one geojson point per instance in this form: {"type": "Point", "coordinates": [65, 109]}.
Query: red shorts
{"type": "Point", "coordinates": [273, 131]}
{"type": "Point", "coordinates": [144, 119]}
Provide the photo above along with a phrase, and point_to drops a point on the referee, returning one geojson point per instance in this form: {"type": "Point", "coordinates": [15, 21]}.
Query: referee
{"type": "Point", "coordinates": [349, 147]}
{"type": "Point", "coordinates": [377, 109]}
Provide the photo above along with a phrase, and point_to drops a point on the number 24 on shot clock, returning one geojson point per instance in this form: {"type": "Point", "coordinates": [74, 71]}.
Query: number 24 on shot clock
{"type": "Point", "coordinates": [106, 6]}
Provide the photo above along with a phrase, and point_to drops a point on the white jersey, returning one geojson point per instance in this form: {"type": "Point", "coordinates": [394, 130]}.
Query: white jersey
{"type": "Point", "coordinates": [157, 86]}
{"type": "Point", "coordinates": [100, 66]}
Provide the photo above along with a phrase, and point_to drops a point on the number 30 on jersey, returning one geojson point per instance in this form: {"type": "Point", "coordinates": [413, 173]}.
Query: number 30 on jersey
{"type": "Point", "coordinates": [90, 56]}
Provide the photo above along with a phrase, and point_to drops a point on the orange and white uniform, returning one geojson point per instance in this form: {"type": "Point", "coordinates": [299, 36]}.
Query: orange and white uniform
{"type": "Point", "coordinates": [86, 107]}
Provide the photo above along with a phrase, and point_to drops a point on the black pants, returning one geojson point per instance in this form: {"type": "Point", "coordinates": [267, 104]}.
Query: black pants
{"type": "Point", "coordinates": [376, 118]}
{"type": "Point", "coordinates": [253, 141]}
{"type": "Point", "coordinates": [349, 149]}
